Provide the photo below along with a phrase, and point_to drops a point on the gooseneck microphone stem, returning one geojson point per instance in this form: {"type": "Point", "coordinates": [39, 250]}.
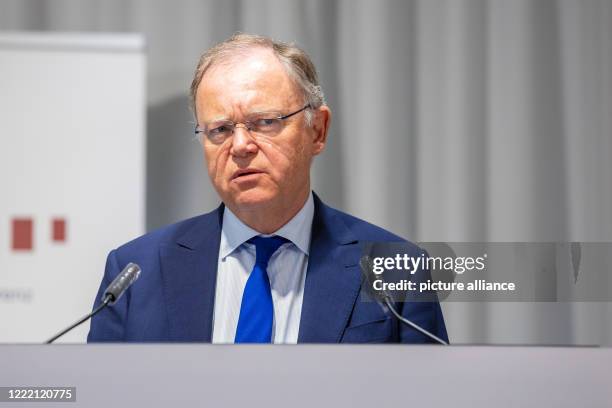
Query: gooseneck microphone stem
{"type": "Point", "coordinates": [111, 295]}
{"type": "Point", "coordinates": [384, 300]}
{"type": "Point", "coordinates": [104, 303]}
{"type": "Point", "coordinates": [411, 324]}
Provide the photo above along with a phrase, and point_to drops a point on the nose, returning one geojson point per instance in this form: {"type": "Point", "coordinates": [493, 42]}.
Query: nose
{"type": "Point", "coordinates": [242, 143]}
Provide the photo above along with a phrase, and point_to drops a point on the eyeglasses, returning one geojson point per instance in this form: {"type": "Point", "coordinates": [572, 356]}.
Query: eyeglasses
{"type": "Point", "coordinates": [266, 124]}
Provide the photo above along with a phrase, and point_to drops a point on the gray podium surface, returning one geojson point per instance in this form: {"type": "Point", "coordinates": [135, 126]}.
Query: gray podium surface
{"type": "Point", "coordinates": [188, 375]}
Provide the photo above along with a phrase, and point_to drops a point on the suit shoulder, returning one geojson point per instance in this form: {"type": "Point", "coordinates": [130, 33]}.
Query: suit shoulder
{"type": "Point", "coordinates": [164, 235]}
{"type": "Point", "coordinates": [365, 230]}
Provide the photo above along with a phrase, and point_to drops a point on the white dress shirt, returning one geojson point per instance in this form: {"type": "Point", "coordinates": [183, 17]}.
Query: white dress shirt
{"type": "Point", "coordinates": [286, 270]}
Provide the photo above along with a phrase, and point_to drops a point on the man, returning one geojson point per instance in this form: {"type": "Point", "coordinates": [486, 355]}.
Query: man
{"type": "Point", "coordinates": [272, 263]}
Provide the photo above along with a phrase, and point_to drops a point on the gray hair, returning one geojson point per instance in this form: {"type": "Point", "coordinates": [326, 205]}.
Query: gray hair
{"type": "Point", "coordinates": [297, 63]}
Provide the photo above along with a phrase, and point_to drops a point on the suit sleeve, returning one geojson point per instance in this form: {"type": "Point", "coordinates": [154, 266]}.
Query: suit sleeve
{"type": "Point", "coordinates": [427, 314]}
{"type": "Point", "coordinates": [109, 324]}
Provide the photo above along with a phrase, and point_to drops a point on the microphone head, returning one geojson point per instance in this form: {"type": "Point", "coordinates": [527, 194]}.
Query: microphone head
{"type": "Point", "coordinates": [367, 270]}
{"type": "Point", "coordinates": [124, 280]}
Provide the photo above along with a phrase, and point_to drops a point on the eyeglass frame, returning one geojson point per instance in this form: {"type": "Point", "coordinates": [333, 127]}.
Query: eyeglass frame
{"type": "Point", "coordinates": [248, 125]}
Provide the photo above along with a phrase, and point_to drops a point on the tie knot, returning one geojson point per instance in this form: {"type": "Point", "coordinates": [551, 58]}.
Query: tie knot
{"type": "Point", "coordinates": [265, 247]}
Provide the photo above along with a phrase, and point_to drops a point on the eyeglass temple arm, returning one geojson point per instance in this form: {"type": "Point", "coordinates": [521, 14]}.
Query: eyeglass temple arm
{"type": "Point", "coordinates": [296, 112]}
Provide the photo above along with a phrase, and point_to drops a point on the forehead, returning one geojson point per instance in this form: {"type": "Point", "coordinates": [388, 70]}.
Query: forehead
{"type": "Point", "coordinates": [253, 80]}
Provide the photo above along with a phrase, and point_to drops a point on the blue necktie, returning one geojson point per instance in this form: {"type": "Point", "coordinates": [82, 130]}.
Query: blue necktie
{"type": "Point", "coordinates": [256, 309]}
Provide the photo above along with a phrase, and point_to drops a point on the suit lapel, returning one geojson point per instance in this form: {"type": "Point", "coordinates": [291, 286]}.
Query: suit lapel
{"type": "Point", "coordinates": [333, 278]}
{"type": "Point", "coordinates": [189, 273]}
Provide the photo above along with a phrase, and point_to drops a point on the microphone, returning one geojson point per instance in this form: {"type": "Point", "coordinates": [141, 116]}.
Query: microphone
{"type": "Point", "coordinates": [119, 285]}
{"type": "Point", "coordinates": [111, 295]}
{"type": "Point", "coordinates": [385, 300]}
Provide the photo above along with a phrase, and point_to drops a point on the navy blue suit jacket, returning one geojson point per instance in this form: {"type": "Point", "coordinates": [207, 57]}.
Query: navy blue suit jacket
{"type": "Point", "coordinates": [173, 300]}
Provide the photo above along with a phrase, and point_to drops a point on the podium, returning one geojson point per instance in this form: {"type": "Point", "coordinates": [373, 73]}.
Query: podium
{"type": "Point", "coordinates": [289, 376]}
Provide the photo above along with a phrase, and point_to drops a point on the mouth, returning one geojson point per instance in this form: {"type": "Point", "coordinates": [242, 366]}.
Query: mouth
{"type": "Point", "coordinates": [245, 173]}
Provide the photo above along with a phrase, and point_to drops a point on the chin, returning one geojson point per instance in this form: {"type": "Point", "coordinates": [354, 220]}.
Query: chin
{"type": "Point", "coordinates": [252, 198]}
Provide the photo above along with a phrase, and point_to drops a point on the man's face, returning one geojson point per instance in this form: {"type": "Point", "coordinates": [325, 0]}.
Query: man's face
{"type": "Point", "coordinates": [251, 171]}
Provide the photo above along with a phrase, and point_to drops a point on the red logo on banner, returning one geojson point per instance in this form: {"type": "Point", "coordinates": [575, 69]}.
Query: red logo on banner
{"type": "Point", "coordinates": [59, 229]}
{"type": "Point", "coordinates": [22, 234]}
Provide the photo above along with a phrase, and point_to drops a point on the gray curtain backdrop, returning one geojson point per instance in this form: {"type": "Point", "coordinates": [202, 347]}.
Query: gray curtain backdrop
{"type": "Point", "coordinates": [454, 120]}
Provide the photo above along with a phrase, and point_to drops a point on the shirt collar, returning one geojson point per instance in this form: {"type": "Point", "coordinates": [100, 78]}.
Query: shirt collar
{"type": "Point", "coordinates": [235, 233]}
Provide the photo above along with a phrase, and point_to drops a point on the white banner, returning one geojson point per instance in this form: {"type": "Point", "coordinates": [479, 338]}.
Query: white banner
{"type": "Point", "coordinates": [72, 171]}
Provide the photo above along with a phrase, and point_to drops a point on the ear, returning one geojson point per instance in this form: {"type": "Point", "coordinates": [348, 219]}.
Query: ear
{"type": "Point", "coordinates": [320, 125]}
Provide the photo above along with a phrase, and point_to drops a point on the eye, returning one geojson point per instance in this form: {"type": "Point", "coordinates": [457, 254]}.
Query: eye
{"type": "Point", "coordinates": [267, 126]}
{"type": "Point", "coordinates": [219, 130]}
{"type": "Point", "coordinates": [265, 122]}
